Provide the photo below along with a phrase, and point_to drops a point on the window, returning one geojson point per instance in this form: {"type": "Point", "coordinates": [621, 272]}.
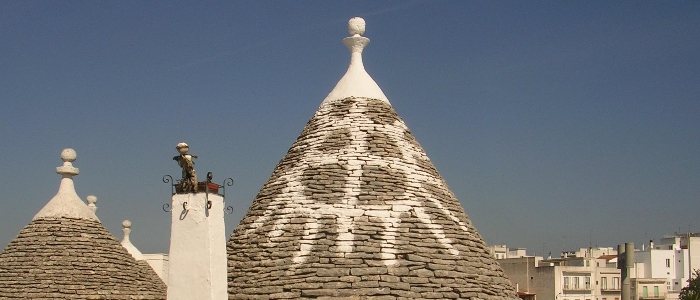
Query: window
{"type": "Point", "coordinates": [604, 283]}
{"type": "Point", "coordinates": [566, 282]}
{"type": "Point", "coordinates": [668, 263]}
{"type": "Point", "coordinates": [587, 283]}
{"type": "Point", "coordinates": [616, 283]}
{"type": "Point", "coordinates": [575, 282]}
{"type": "Point", "coordinates": [645, 292]}
{"type": "Point", "coordinates": [656, 291]}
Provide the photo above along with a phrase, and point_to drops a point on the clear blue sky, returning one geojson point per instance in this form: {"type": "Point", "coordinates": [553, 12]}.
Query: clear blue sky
{"type": "Point", "coordinates": [557, 124]}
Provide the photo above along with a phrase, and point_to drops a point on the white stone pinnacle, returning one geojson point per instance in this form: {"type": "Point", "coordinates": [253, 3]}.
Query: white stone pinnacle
{"type": "Point", "coordinates": [126, 229]}
{"type": "Point", "coordinates": [356, 26]}
{"type": "Point", "coordinates": [356, 81]}
{"type": "Point", "coordinates": [66, 203]}
{"type": "Point", "coordinates": [126, 242]}
{"type": "Point", "coordinates": [68, 156]}
{"type": "Point", "coordinates": [92, 199]}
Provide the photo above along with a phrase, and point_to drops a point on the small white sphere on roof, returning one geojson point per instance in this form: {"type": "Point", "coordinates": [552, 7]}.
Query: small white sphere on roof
{"type": "Point", "coordinates": [91, 199]}
{"type": "Point", "coordinates": [68, 155]}
{"type": "Point", "coordinates": [126, 224]}
{"type": "Point", "coordinates": [356, 26]}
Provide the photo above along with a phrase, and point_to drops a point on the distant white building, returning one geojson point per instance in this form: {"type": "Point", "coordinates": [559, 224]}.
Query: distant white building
{"type": "Point", "coordinates": [591, 252]}
{"type": "Point", "coordinates": [662, 270]}
{"type": "Point", "coordinates": [567, 278]}
{"type": "Point", "coordinates": [503, 252]}
{"type": "Point", "coordinates": [687, 241]}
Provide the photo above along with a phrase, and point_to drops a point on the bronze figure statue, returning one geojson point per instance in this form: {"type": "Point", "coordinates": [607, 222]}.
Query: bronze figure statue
{"type": "Point", "coordinates": [188, 184]}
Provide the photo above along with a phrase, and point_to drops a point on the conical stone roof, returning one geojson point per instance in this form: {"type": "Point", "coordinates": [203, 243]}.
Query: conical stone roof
{"type": "Point", "coordinates": [357, 210]}
{"type": "Point", "coordinates": [66, 253]}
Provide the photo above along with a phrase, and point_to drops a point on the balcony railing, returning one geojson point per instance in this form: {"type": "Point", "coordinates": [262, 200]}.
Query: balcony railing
{"type": "Point", "coordinates": [572, 287]}
{"type": "Point", "coordinates": [652, 296]}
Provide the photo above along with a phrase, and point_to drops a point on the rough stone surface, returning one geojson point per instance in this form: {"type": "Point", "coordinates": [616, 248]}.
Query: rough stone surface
{"type": "Point", "coordinates": [73, 258]}
{"type": "Point", "coordinates": [356, 210]}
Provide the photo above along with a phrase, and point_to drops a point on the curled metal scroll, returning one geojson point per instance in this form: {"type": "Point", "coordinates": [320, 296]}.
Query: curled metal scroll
{"type": "Point", "coordinates": [184, 205]}
{"type": "Point", "coordinates": [169, 179]}
{"type": "Point", "coordinates": [227, 182]}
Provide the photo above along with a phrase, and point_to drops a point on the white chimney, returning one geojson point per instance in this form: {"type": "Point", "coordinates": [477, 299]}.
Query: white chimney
{"type": "Point", "coordinates": [197, 248]}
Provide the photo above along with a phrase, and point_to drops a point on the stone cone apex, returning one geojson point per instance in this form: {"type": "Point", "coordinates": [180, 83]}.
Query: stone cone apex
{"type": "Point", "coordinates": [126, 241]}
{"type": "Point", "coordinates": [66, 253]}
{"type": "Point", "coordinates": [357, 210]}
{"type": "Point", "coordinates": [66, 202]}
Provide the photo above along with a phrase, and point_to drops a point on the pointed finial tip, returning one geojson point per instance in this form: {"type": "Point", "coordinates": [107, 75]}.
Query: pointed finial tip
{"type": "Point", "coordinates": [68, 155]}
{"type": "Point", "coordinates": [356, 26]}
{"type": "Point", "coordinates": [126, 224]}
{"type": "Point", "coordinates": [92, 199]}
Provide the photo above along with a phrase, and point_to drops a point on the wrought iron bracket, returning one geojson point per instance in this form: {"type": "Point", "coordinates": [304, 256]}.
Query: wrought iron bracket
{"type": "Point", "coordinates": [169, 179]}
{"type": "Point", "coordinates": [173, 190]}
{"type": "Point", "coordinates": [206, 188]}
{"type": "Point", "coordinates": [227, 182]}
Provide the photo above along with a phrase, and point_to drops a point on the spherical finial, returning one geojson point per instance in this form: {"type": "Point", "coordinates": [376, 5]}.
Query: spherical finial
{"type": "Point", "coordinates": [68, 155]}
{"type": "Point", "coordinates": [356, 26]}
{"type": "Point", "coordinates": [126, 224]}
{"type": "Point", "coordinates": [182, 148]}
{"type": "Point", "coordinates": [92, 199]}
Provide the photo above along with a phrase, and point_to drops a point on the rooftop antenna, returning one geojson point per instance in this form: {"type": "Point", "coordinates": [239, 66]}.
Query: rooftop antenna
{"type": "Point", "coordinates": [563, 239]}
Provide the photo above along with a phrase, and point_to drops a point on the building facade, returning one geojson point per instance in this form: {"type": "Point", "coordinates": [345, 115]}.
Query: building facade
{"type": "Point", "coordinates": [571, 278]}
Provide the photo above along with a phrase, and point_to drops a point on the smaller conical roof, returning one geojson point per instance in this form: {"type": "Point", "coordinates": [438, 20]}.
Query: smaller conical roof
{"type": "Point", "coordinates": [66, 253]}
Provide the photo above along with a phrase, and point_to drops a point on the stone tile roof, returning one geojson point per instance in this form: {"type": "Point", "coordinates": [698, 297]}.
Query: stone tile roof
{"type": "Point", "coordinates": [357, 210]}
{"type": "Point", "coordinates": [66, 253]}
{"type": "Point", "coordinates": [73, 258]}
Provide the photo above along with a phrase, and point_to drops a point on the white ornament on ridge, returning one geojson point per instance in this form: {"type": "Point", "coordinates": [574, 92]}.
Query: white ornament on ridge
{"type": "Point", "coordinates": [126, 242]}
{"type": "Point", "coordinates": [92, 199]}
{"type": "Point", "coordinates": [68, 156]}
{"type": "Point", "coordinates": [66, 203]}
{"type": "Point", "coordinates": [356, 82]}
{"type": "Point", "coordinates": [356, 26]}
